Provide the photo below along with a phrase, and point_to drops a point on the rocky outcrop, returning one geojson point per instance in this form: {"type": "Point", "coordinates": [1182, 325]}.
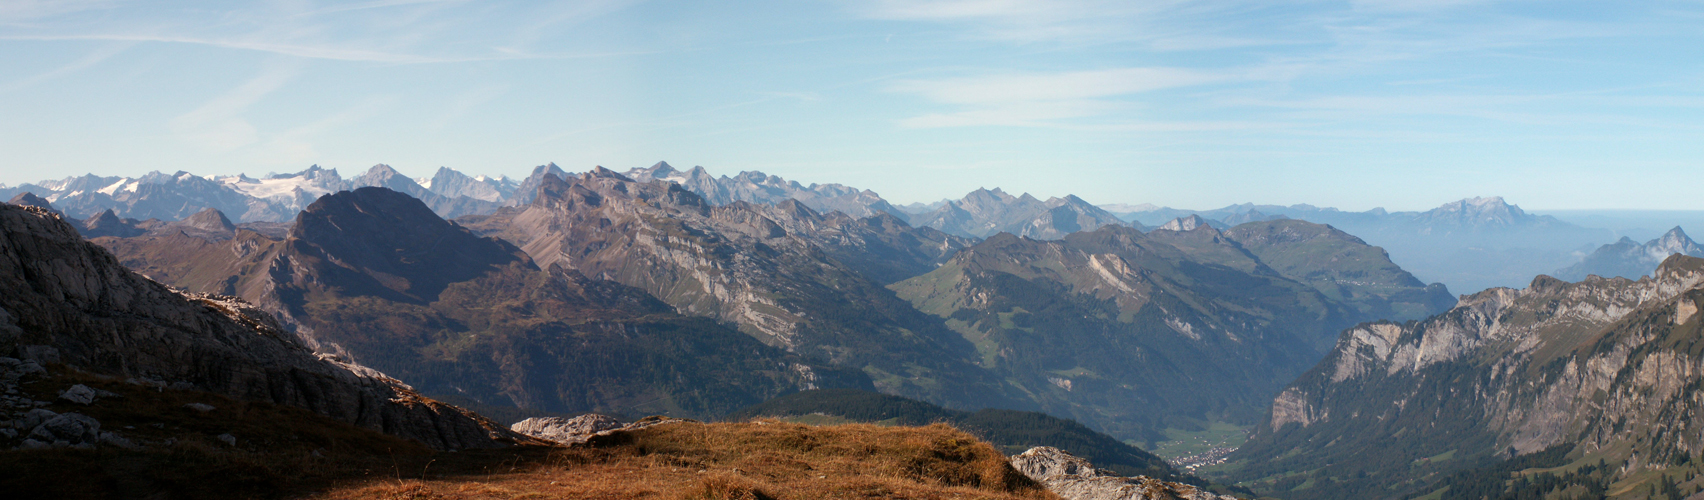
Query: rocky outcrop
{"type": "Point", "coordinates": [1073, 478]}
{"type": "Point", "coordinates": [567, 430]}
{"type": "Point", "coordinates": [28, 199]}
{"type": "Point", "coordinates": [1606, 367]}
{"type": "Point", "coordinates": [64, 300]}
{"type": "Point", "coordinates": [583, 428]}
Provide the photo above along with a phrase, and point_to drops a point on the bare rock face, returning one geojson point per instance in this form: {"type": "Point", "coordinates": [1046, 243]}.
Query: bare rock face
{"type": "Point", "coordinates": [64, 300]}
{"type": "Point", "coordinates": [567, 430]}
{"type": "Point", "coordinates": [1604, 366]}
{"type": "Point", "coordinates": [770, 270]}
{"type": "Point", "coordinates": [1073, 478]}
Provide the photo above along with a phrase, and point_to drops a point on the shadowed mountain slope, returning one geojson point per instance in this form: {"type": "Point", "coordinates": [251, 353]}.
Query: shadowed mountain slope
{"type": "Point", "coordinates": [68, 301]}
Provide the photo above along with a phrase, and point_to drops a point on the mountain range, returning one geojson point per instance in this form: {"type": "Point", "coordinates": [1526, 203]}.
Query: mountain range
{"type": "Point", "coordinates": [798, 298]}
{"type": "Point", "coordinates": [1469, 245]}
{"type": "Point", "coordinates": [274, 198]}
{"type": "Point", "coordinates": [671, 292]}
{"type": "Point", "coordinates": [1137, 332]}
{"type": "Point", "coordinates": [1630, 259]}
{"type": "Point", "coordinates": [375, 276]}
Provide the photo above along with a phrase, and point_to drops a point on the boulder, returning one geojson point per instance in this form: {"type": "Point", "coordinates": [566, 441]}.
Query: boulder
{"type": "Point", "coordinates": [567, 430]}
{"type": "Point", "coordinates": [1074, 478]}
{"type": "Point", "coordinates": [72, 428]}
{"type": "Point", "coordinates": [79, 394]}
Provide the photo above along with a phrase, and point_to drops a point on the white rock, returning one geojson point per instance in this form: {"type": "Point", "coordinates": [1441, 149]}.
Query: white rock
{"type": "Point", "coordinates": [567, 430]}
{"type": "Point", "coordinates": [79, 394]}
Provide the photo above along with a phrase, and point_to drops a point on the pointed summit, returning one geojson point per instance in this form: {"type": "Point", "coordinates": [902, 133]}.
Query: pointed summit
{"type": "Point", "coordinates": [1629, 259]}
{"type": "Point", "coordinates": [1673, 242]}
{"type": "Point", "coordinates": [28, 199]}
{"type": "Point", "coordinates": [107, 223]}
{"type": "Point", "coordinates": [387, 244]}
{"type": "Point", "coordinates": [1491, 211]}
{"type": "Point", "coordinates": [1190, 223]}
{"type": "Point", "coordinates": [211, 220]}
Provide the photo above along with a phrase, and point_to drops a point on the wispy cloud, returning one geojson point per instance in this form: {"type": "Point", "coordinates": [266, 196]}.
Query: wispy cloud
{"type": "Point", "coordinates": [218, 124]}
{"type": "Point", "coordinates": [1042, 99]}
{"type": "Point", "coordinates": [85, 62]}
{"type": "Point", "coordinates": [466, 103]}
{"type": "Point", "coordinates": [1055, 86]}
{"type": "Point", "coordinates": [388, 31]}
{"type": "Point", "coordinates": [295, 147]}
{"type": "Point", "coordinates": [28, 11]}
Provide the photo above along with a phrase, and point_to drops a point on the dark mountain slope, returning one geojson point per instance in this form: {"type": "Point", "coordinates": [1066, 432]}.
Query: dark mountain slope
{"type": "Point", "coordinates": [68, 301]}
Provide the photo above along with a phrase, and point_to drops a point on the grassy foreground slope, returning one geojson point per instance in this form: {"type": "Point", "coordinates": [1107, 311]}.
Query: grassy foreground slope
{"type": "Point", "coordinates": [1011, 431]}
{"type": "Point", "coordinates": [284, 452]}
{"type": "Point", "coordinates": [753, 460]}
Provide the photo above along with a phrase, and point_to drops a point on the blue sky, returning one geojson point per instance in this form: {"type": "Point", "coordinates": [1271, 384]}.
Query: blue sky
{"type": "Point", "coordinates": [1403, 104]}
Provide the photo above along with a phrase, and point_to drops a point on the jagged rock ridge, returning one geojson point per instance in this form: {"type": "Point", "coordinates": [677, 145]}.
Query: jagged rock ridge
{"type": "Point", "coordinates": [759, 188]}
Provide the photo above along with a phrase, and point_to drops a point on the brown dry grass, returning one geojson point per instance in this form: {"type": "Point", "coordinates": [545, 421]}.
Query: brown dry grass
{"type": "Point", "coordinates": [765, 460]}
